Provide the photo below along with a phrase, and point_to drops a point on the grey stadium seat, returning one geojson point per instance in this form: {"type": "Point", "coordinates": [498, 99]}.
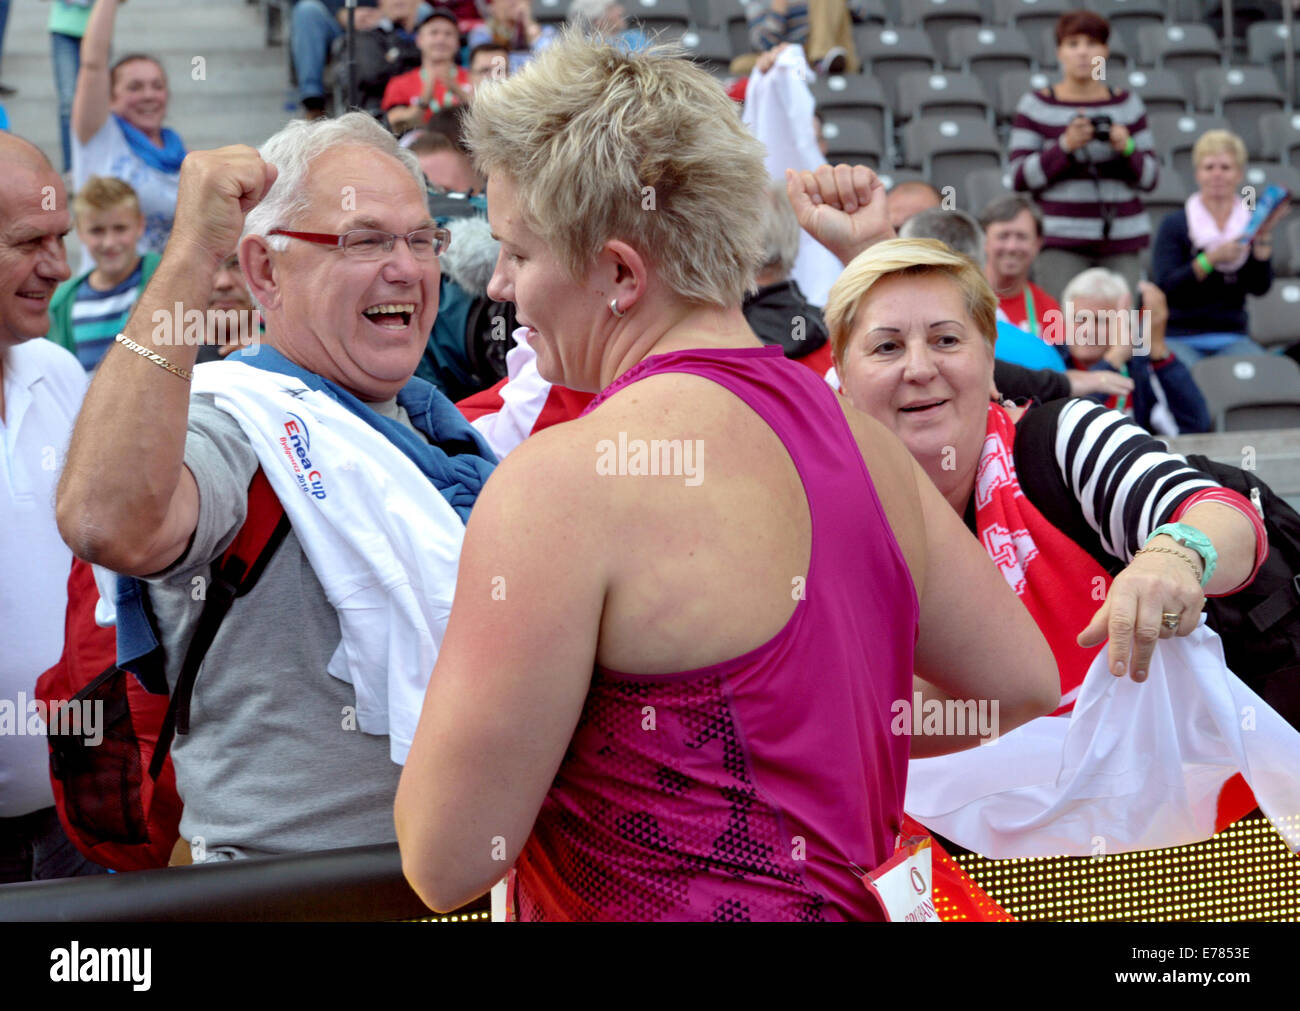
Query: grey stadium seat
{"type": "Point", "coordinates": [1175, 135]}
{"type": "Point", "coordinates": [889, 52]}
{"type": "Point", "coordinates": [729, 15]}
{"type": "Point", "coordinates": [1266, 44]}
{"type": "Point", "coordinates": [1250, 392]}
{"type": "Point", "coordinates": [860, 92]}
{"type": "Point", "coordinates": [990, 53]}
{"type": "Point", "coordinates": [1286, 248]}
{"type": "Point", "coordinates": [1031, 16]}
{"type": "Point", "coordinates": [1127, 17]}
{"type": "Point", "coordinates": [922, 93]}
{"type": "Point", "coordinates": [948, 150]}
{"type": "Point", "coordinates": [1275, 315]}
{"type": "Point", "coordinates": [1280, 133]}
{"type": "Point", "coordinates": [1261, 174]}
{"type": "Point", "coordinates": [1015, 85]}
{"type": "Point", "coordinates": [1182, 48]}
{"type": "Point", "coordinates": [710, 48]}
{"type": "Point", "coordinates": [1160, 90]}
{"type": "Point", "coordinates": [550, 11]}
{"type": "Point", "coordinates": [982, 187]}
{"type": "Point", "coordinates": [1170, 195]}
{"type": "Point", "coordinates": [671, 16]}
{"type": "Point", "coordinates": [938, 17]}
{"type": "Point", "coordinates": [850, 139]}
{"type": "Point", "coordinates": [1241, 95]}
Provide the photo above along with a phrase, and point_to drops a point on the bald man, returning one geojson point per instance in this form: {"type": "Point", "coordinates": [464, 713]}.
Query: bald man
{"type": "Point", "coordinates": [909, 198]}
{"type": "Point", "coordinates": [41, 387]}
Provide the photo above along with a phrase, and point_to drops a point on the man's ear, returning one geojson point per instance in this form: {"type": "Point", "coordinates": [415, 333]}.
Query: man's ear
{"type": "Point", "coordinates": [259, 270]}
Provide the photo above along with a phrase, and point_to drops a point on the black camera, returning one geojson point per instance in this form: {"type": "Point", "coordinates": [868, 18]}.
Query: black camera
{"type": "Point", "coordinates": [1100, 127]}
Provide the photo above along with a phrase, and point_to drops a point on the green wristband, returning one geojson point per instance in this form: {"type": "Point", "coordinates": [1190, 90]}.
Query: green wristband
{"type": "Point", "coordinates": [1205, 263]}
{"type": "Point", "coordinates": [1130, 147]}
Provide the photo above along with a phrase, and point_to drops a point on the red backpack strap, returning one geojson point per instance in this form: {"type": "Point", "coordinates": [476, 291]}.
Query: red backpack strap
{"type": "Point", "coordinates": [242, 565]}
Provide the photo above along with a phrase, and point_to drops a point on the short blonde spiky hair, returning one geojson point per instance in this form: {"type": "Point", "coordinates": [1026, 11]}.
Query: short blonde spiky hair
{"type": "Point", "coordinates": [1219, 142]}
{"type": "Point", "coordinates": [913, 258]}
{"type": "Point", "coordinates": [104, 193]}
{"type": "Point", "coordinates": [644, 147]}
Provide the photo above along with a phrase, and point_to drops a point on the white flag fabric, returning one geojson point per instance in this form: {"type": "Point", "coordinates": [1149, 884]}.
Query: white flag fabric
{"type": "Point", "coordinates": [1133, 767]}
{"type": "Point", "coordinates": [779, 112]}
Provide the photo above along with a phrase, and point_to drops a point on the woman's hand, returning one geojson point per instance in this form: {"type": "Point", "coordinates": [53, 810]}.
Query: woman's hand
{"type": "Point", "coordinates": [1119, 136]}
{"type": "Point", "coordinates": [404, 117]}
{"type": "Point", "coordinates": [1078, 133]}
{"type": "Point", "coordinates": [1225, 252]}
{"type": "Point", "coordinates": [1093, 381]}
{"type": "Point", "coordinates": [844, 207]}
{"type": "Point", "coordinates": [766, 61]}
{"type": "Point", "coordinates": [1154, 584]}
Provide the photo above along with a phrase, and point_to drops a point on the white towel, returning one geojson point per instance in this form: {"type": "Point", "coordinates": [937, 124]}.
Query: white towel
{"type": "Point", "coordinates": [383, 542]}
{"type": "Point", "coordinates": [1134, 767]}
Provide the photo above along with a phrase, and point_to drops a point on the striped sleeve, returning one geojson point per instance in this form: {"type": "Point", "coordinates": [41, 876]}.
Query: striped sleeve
{"type": "Point", "coordinates": [1126, 482]}
{"type": "Point", "coordinates": [1036, 158]}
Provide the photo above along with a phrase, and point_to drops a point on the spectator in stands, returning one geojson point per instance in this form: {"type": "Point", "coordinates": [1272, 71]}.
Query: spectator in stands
{"type": "Point", "coordinates": [510, 23]}
{"type": "Point", "coordinates": [608, 19]}
{"type": "Point", "coordinates": [910, 197]}
{"type": "Point", "coordinates": [66, 26]}
{"type": "Point", "coordinates": [89, 310]}
{"type": "Point", "coordinates": [117, 126]}
{"type": "Point", "coordinates": [353, 600]}
{"type": "Point", "coordinates": [778, 312]}
{"type": "Point", "coordinates": [439, 82]}
{"type": "Point", "coordinates": [1165, 398]}
{"type": "Point", "coordinates": [1013, 236]}
{"type": "Point", "coordinates": [912, 331]}
{"type": "Point", "coordinates": [315, 26]}
{"type": "Point", "coordinates": [41, 387]}
{"type": "Point", "coordinates": [488, 61]}
{"type": "Point", "coordinates": [445, 165]}
{"type": "Point", "coordinates": [385, 51]}
{"type": "Point", "coordinates": [232, 319]}
{"type": "Point", "coordinates": [823, 27]}
{"type": "Point", "coordinates": [1200, 261]}
{"type": "Point", "coordinates": [959, 231]}
{"type": "Point", "coordinates": [563, 776]}
{"type": "Point", "coordinates": [1084, 150]}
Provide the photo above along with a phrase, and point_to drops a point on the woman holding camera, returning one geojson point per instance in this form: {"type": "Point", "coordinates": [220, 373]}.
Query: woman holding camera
{"type": "Point", "coordinates": [1084, 151]}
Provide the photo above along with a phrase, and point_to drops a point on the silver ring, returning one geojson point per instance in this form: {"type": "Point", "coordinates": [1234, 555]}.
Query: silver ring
{"type": "Point", "coordinates": [613, 307]}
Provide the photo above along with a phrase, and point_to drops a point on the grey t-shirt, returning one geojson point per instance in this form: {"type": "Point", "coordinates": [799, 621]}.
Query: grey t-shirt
{"type": "Point", "coordinates": [273, 762]}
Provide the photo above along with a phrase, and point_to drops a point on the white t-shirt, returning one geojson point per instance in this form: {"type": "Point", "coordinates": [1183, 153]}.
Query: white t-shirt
{"type": "Point", "coordinates": [109, 154]}
{"type": "Point", "coordinates": [43, 387]}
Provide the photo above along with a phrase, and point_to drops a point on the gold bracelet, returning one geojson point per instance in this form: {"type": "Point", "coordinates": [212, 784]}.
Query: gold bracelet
{"type": "Point", "coordinates": [1174, 551]}
{"type": "Point", "coordinates": [157, 359]}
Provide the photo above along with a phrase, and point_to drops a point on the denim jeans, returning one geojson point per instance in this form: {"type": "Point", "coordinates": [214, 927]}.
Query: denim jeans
{"type": "Point", "coordinates": [33, 847]}
{"type": "Point", "coordinates": [311, 31]}
{"type": "Point", "coordinates": [1192, 349]}
{"type": "Point", "coordinates": [4, 21]}
{"type": "Point", "coordinates": [66, 51]}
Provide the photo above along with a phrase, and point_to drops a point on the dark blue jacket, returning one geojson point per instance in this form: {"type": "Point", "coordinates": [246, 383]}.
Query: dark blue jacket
{"type": "Point", "coordinates": [1186, 402]}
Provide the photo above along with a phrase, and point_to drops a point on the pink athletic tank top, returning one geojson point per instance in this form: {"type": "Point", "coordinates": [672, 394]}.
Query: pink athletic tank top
{"type": "Point", "coordinates": [750, 789]}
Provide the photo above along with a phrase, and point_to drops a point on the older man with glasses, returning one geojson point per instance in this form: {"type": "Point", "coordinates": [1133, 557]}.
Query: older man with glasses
{"type": "Point", "coordinates": [290, 733]}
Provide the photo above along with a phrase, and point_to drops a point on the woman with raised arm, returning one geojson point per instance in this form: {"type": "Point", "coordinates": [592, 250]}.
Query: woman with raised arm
{"type": "Point", "coordinates": [682, 621]}
{"type": "Point", "coordinates": [117, 126]}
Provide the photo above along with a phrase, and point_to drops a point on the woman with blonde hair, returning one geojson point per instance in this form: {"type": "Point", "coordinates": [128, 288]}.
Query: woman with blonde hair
{"type": "Point", "coordinates": [1201, 262]}
{"type": "Point", "coordinates": [681, 620]}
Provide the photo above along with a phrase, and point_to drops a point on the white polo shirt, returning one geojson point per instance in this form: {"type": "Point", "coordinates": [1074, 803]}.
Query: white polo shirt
{"type": "Point", "coordinates": [43, 388]}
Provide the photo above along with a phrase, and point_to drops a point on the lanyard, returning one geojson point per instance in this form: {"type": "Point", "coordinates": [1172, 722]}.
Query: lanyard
{"type": "Point", "coordinates": [1031, 313]}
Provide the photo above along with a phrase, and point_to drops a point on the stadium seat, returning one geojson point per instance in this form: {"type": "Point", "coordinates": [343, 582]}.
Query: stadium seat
{"type": "Point", "coordinates": [1241, 95]}
{"type": "Point", "coordinates": [939, 17]}
{"type": "Point", "coordinates": [1266, 47]}
{"type": "Point", "coordinates": [1170, 195]}
{"type": "Point", "coordinates": [923, 93]}
{"type": "Point", "coordinates": [983, 186]}
{"type": "Point", "coordinates": [1250, 392]}
{"type": "Point", "coordinates": [1013, 86]}
{"type": "Point", "coordinates": [1160, 90]}
{"type": "Point", "coordinates": [1275, 315]}
{"type": "Point", "coordinates": [892, 177]}
{"type": "Point", "coordinates": [729, 15]}
{"type": "Point", "coordinates": [1127, 17]}
{"type": "Point", "coordinates": [850, 139]}
{"type": "Point", "coordinates": [948, 150]}
{"type": "Point", "coordinates": [670, 16]}
{"type": "Point", "coordinates": [860, 92]}
{"type": "Point", "coordinates": [710, 48]}
{"type": "Point", "coordinates": [1261, 174]}
{"type": "Point", "coordinates": [550, 11]}
{"type": "Point", "coordinates": [889, 52]}
{"type": "Point", "coordinates": [1286, 248]}
{"type": "Point", "coordinates": [1031, 16]}
{"type": "Point", "coordinates": [1280, 133]}
{"type": "Point", "coordinates": [1181, 48]}
{"type": "Point", "coordinates": [990, 53]}
{"type": "Point", "coordinates": [1175, 136]}
{"type": "Point", "coordinates": [872, 12]}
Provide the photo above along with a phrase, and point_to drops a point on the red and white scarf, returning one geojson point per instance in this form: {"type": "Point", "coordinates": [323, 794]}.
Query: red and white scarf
{"type": "Point", "coordinates": [1060, 584]}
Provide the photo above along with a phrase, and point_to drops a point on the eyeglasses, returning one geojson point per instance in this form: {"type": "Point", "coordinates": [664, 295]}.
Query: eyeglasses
{"type": "Point", "coordinates": [371, 243]}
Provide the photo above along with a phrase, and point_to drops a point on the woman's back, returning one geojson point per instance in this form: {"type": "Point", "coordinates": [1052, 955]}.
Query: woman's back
{"type": "Point", "coordinates": [734, 759]}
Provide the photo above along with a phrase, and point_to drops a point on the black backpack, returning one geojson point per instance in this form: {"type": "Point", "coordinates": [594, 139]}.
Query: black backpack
{"type": "Point", "coordinates": [1260, 625]}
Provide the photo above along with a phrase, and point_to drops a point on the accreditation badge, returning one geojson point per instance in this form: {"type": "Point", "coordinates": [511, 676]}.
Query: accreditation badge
{"type": "Point", "coordinates": [903, 883]}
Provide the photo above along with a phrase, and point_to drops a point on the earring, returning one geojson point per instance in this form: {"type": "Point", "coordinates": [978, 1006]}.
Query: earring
{"type": "Point", "coordinates": [613, 307]}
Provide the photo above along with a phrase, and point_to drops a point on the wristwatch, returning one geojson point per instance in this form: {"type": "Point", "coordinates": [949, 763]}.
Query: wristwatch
{"type": "Point", "coordinates": [1190, 537]}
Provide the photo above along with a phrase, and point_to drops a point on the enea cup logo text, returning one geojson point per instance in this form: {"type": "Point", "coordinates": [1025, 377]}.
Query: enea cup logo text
{"type": "Point", "coordinates": [296, 444]}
